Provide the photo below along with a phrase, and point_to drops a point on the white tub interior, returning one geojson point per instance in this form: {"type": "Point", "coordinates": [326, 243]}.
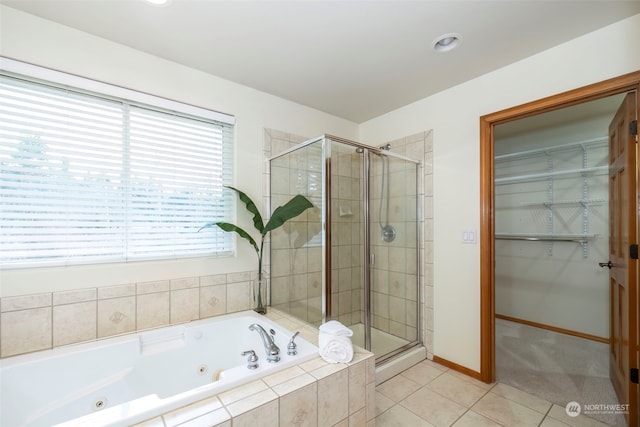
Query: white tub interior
{"type": "Point", "coordinates": [127, 379]}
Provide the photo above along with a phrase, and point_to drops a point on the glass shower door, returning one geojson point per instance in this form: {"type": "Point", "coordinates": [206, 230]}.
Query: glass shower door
{"type": "Point", "coordinates": [296, 249]}
{"type": "Point", "coordinates": [346, 216]}
{"type": "Point", "coordinates": [393, 231]}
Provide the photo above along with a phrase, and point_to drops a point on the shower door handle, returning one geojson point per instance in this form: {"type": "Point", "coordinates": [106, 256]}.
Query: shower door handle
{"type": "Point", "coordinates": [607, 264]}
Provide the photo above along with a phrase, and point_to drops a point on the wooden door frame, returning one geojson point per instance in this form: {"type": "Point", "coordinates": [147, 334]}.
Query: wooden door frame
{"type": "Point", "coordinates": [591, 92]}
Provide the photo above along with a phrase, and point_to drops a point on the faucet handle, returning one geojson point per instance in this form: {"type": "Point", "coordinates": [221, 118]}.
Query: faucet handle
{"type": "Point", "coordinates": [252, 360]}
{"type": "Point", "coordinates": [291, 347]}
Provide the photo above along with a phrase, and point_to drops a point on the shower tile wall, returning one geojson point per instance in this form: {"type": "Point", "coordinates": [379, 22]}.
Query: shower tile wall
{"type": "Point", "coordinates": [346, 235]}
{"type": "Point", "coordinates": [390, 297]}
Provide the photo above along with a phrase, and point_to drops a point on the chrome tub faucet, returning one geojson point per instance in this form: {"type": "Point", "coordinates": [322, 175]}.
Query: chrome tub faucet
{"type": "Point", "coordinates": [270, 347]}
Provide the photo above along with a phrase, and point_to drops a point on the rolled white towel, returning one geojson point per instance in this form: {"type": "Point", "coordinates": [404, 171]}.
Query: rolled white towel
{"type": "Point", "coordinates": [333, 327]}
{"type": "Point", "coordinates": [335, 348]}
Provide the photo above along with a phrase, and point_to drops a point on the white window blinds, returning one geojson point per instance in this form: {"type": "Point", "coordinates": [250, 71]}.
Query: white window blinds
{"type": "Point", "coordinates": [85, 178]}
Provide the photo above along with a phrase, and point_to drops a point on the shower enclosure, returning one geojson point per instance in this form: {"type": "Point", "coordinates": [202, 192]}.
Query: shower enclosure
{"type": "Point", "coordinates": [355, 256]}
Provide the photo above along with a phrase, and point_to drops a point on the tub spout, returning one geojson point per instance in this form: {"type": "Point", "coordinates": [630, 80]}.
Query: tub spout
{"type": "Point", "coordinates": [270, 347]}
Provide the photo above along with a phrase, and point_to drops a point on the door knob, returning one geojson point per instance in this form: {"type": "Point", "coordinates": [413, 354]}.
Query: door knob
{"type": "Point", "coordinates": [607, 264]}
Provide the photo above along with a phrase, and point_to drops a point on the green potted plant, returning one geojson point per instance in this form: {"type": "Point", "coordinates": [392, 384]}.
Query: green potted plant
{"type": "Point", "coordinates": [294, 207]}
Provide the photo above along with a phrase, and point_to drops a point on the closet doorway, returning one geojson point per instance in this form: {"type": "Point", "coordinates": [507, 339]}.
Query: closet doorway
{"type": "Point", "coordinates": [515, 230]}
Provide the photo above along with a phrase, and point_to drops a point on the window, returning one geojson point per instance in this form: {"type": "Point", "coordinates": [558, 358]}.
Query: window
{"type": "Point", "coordinates": [93, 178]}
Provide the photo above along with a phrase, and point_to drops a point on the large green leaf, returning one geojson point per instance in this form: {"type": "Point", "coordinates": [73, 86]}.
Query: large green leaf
{"type": "Point", "coordinates": [282, 214]}
{"type": "Point", "coordinates": [252, 208]}
{"type": "Point", "coordinates": [228, 227]}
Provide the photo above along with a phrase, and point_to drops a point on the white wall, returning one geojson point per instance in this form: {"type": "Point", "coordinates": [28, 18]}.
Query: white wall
{"type": "Point", "coordinates": [454, 117]}
{"type": "Point", "coordinates": [30, 39]}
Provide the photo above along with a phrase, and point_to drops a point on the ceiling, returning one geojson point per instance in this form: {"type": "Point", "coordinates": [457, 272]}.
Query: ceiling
{"type": "Point", "coordinates": [353, 59]}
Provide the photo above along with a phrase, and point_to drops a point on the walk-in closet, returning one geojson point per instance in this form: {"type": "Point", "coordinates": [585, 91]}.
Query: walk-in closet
{"type": "Point", "coordinates": [551, 232]}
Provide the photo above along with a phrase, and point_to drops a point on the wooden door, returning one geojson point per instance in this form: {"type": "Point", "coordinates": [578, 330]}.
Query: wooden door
{"type": "Point", "coordinates": [623, 278]}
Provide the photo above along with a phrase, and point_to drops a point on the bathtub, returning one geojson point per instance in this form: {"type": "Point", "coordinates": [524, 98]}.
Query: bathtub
{"type": "Point", "coordinates": [127, 379]}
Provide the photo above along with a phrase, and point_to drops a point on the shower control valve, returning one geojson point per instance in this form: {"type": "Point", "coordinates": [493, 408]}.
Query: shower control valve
{"type": "Point", "coordinates": [252, 360]}
{"type": "Point", "coordinates": [291, 347]}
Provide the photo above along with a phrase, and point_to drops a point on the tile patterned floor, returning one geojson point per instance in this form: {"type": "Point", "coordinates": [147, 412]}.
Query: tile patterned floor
{"type": "Point", "coordinates": [429, 394]}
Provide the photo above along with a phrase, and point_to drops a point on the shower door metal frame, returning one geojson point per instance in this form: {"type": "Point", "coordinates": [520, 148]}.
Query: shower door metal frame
{"type": "Point", "coordinates": [326, 166]}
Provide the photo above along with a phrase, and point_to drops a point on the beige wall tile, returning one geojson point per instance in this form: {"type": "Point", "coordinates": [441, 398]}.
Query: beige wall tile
{"type": "Point", "coordinates": [216, 279]}
{"type": "Point", "coordinates": [357, 384]}
{"type": "Point", "coordinates": [24, 331]}
{"type": "Point", "coordinates": [185, 283]}
{"type": "Point", "coordinates": [116, 316]}
{"type": "Point", "coordinates": [293, 385]}
{"type": "Point", "coordinates": [185, 305]}
{"type": "Point", "coordinates": [25, 302]}
{"type": "Point", "coordinates": [152, 310]}
{"type": "Point", "coordinates": [152, 287]}
{"type": "Point", "coordinates": [238, 296]}
{"type": "Point", "coordinates": [213, 300]}
{"type": "Point", "coordinates": [244, 276]}
{"type": "Point", "coordinates": [283, 376]}
{"type": "Point", "coordinates": [71, 297]}
{"type": "Point", "coordinates": [74, 323]}
{"type": "Point", "coordinates": [251, 406]}
{"type": "Point", "coordinates": [371, 401]}
{"type": "Point", "coordinates": [238, 393]}
{"type": "Point", "coordinates": [333, 398]}
{"type": "Point", "coordinates": [300, 408]}
{"type": "Point", "coordinates": [116, 291]}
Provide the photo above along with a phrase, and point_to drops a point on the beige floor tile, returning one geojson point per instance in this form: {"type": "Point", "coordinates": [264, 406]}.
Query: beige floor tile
{"type": "Point", "coordinates": [457, 389]}
{"type": "Point", "coordinates": [471, 380]}
{"type": "Point", "coordinates": [558, 413]}
{"type": "Point", "coordinates": [382, 403]}
{"type": "Point", "coordinates": [551, 422]}
{"type": "Point", "coordinates": [435, 365]}
{"type": "Point", "coordinates": [397, 388]}
{"type": "Point", "coordinates": [399, 416]}
{"type": "Point", "coordinates": [433, 407]}
{"type": "Point", "coordinates": [526, 399]}
{"type": "Point", "coordinates": [423, 373]}
{"type": "Point", "coordinates": [473, 419]}
{"type": "Point", "coordinates": [507, 412]}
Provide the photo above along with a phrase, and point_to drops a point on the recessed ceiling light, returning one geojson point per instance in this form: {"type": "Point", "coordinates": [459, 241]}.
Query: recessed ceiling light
{"type": "Point", "coordinates": [159, 2]}
{"type": "Point", "coordinates": [447, 42]}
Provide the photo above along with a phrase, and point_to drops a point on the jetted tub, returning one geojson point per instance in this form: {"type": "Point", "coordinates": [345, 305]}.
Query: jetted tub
{"type": "Point", "coordinates": [127, 379]}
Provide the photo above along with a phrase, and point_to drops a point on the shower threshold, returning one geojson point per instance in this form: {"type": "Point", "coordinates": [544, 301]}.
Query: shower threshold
{"type": "Point", "coordinates": [383, 344]}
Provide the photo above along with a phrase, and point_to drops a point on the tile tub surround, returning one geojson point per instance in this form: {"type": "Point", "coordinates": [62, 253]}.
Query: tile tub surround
{"type": "Point", "coordinates": [314, 393]}
{"type": "Point", "coordinates": [42, 321]}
